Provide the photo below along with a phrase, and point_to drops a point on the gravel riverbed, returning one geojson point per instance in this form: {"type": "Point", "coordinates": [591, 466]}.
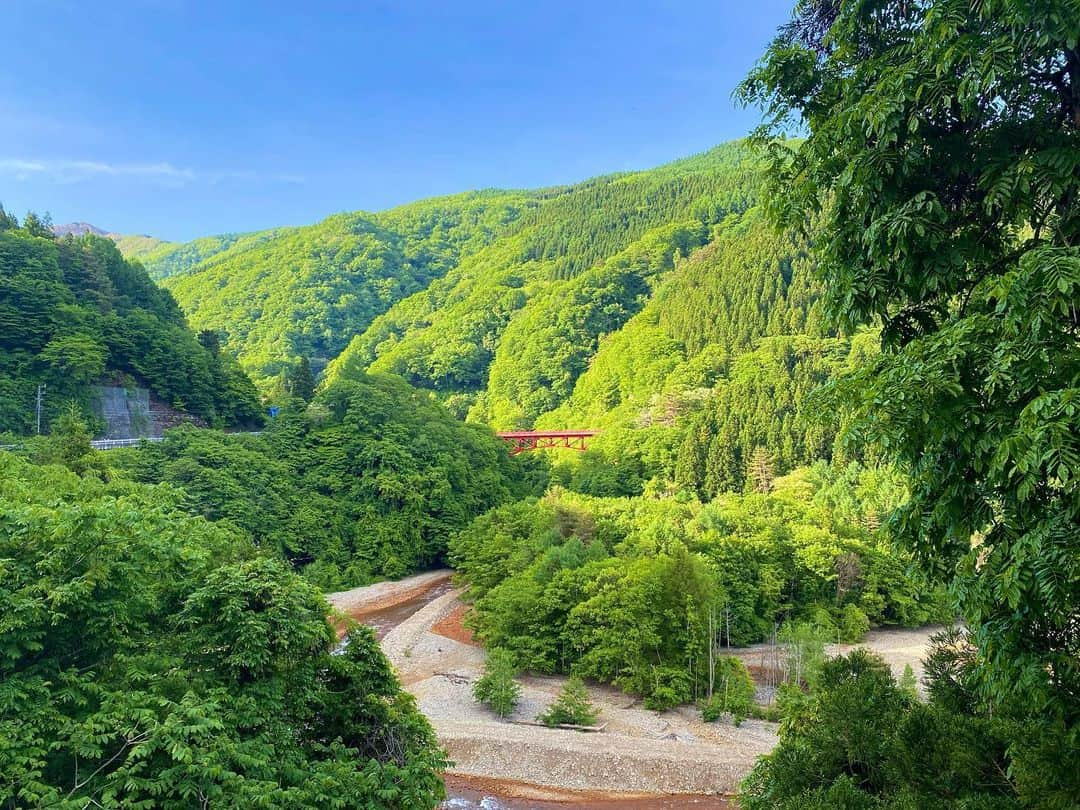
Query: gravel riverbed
{"type": "Point", "coordinates": [643, 759]}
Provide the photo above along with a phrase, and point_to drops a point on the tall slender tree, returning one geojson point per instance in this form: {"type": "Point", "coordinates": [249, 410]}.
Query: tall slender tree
{"type": "Point", "coordinates": [760, 470]}
{"type": "Point", "coordinates": [301, 381]}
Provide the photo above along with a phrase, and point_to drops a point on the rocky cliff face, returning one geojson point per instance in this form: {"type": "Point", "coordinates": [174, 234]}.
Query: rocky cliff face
{"type": "Point", "coordinates": [78, 229]}
{"type": "Point", "coordinates": [131, 413]}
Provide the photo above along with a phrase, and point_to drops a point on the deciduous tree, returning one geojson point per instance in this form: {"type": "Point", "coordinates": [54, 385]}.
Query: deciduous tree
{"type": "Point", "coordinates": [941, 166]}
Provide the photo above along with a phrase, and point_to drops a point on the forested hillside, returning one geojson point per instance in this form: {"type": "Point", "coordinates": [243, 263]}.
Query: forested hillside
{"type": "Point", "coordinates": [624, 303]}
{"type": "Point", "coordinates": [659, 307]}
{"type": "Point", "coordinates": [368, 481]}
{"type": "Point", "coordinates": [152, 658]}
{"type": "Point", "coordinates": [622, 590]}
{"type": "Point", "coordinates": [835, 384]}
{"type": "Point", "coordinates": [290, 293]}
{"type": "Point", "coordinates": [584, 261]}
{"type": "Point", "coordinates": [74, 312]}
{"type": "Point", "coordinates": [137, 246]}
{"type": "Point", "coordinates": [449, 273]}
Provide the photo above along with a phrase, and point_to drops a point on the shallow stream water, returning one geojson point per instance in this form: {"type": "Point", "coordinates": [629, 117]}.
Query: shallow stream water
{"type": "Point", "coordinates": [464, 799]}
{"type": "Point", "coordinates": [385, 620]}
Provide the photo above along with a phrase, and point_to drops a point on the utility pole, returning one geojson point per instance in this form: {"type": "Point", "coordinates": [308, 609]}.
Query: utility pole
{"type": "Point", "coordinates": [40, 395]}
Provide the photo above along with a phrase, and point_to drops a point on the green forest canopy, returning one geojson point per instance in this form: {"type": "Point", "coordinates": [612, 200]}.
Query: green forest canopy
{"type": "Point", "coordinates": [941, 177]}
{"type": "Point", "coordinates": [663, 308]}
{"type": "Point", "coordinates": [152, 658]}
{"type": "Point", "coordinates": [303, 292]}
{"type": "Point", "coordinates": [74, 312]}
{"type": "Point", "coordinates": [368, 481]}
{"type": "Point", "coordinates": [622, 589]}
{"type": "Point", "coordinates": [622, 303]}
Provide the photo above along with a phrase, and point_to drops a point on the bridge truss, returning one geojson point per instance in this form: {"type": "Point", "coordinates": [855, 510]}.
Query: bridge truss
{"type": "Point", "coordinates": [523, 440]}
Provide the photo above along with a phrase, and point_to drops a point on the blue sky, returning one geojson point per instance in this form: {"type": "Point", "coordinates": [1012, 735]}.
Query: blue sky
{"type": "Point", "coordinates": [182, 119]}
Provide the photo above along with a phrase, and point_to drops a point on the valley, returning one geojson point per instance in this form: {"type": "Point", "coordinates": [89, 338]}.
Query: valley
{"type": "Point", "coordinates": [643, 759]}
{"type": "Point", "coordinates": [749, 479]}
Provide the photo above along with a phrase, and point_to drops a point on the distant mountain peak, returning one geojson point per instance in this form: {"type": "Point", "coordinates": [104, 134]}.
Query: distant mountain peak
{"type": "Point", "coordinates": [78, 229]}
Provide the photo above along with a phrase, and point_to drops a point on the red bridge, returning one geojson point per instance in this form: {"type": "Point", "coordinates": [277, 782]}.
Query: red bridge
{"type": "Point", "coordinates": [522, 440]}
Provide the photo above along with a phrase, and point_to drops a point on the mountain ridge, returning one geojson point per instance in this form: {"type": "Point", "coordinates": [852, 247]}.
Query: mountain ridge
{"type": "Point", "coordinates": [78, 229]}
{"type": "Point", "coordinates": [282, 294]}
{"type": "Point", "coordinates": [659, 305]}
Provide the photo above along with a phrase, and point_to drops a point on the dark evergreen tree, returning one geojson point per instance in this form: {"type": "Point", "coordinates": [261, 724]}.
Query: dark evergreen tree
{"type": "Point", "coordinates": [74, 312]}
{"type": "Point", "coordinates": [8, 221]}
{"type": "Point", "coordinates": [301, 382]}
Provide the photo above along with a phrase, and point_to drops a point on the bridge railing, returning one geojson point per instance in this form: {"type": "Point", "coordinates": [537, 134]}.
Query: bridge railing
{"type": "Point", "coordinates": [524, 440]}
{"type": "Point", "coordinates": [100, 444]}
{"type": "Point", "coordinates": [114, 444]}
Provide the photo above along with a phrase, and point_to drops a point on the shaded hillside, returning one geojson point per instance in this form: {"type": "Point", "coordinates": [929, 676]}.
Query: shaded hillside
{"type": "Point", "coordinates": [172, 258]}
{"type": "Point", "coordinates": [368, 481]}
{"type": "Point", "coordinates": [623, 303]}
{"type": "Point", "coordinates": [693, 345]}
{"type": "Point", "coordinates": [719, 361]}
{"type": "Point", "coordinates": [74, 312]}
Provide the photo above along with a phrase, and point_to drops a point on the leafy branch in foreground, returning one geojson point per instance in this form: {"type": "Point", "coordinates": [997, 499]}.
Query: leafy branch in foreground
{"type": "Point", "coordinates": [942, 166]}
{"type": "Point", "coordinates": [153, 659]}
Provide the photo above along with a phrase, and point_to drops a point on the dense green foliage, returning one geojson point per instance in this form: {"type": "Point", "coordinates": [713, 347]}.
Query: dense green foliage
{"type": "Point", "coordinates": [629, 591]}
{"type": "Point", "coordinates": [622, 231]}
{"type": "Point", "coordinates": [368, 481]}
{"type": "Point", "coordinates": [760, 404]}
{"type": "Point", "coordinates": [546, 347]}
{"type": "Point", "coordinates": [172, 258]}
{"type": "Point", "coordinates": [745, 284]}
{"type": "Point", "coordinates": [153, 659]}
{"type": "Point", "coordinates": [860, 740]}
{"type": "Point", "coordinates": [942, 170]}
{"type": "Point", "coordinates": [733, 691]}
{"type": "Point", "coordinates": [138, 247]}
{"type": "Point", "coordinates": [303, 292]}
{"type": "Point", "coordinates": [74, 313]}
{"type": "Point", "coordinates": [497, 687]}
{"type": "Point", "coordinates": [623, 303]}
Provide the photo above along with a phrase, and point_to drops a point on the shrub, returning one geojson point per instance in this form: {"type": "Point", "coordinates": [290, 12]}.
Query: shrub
{"type": "Point", "coordinates": [733, 692]}
{"type": "Point", "coordinates": [497, 688]}
{"type": "Point", "coordinates": [853, 624]}
{"type": "Point", "coordinates": [908, 684]}
{"type": "Point", "coordinates": [572, 707]}
{"type": "Point", "coordinates": [671, 687]}
{"type": "Point", "coordinates": [824, 621]}
{"type": "Point", "coordinates": [805, 651]}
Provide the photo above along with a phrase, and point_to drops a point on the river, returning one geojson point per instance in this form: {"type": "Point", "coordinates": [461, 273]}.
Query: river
{"type": "Point", "coordinates": [471, 793]}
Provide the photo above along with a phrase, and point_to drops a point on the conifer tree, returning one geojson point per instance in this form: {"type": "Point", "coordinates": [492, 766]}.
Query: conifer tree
{"type": "Point", "coordinates": [760, 470]}
{"type": "Point", "coordinates": [497, 687]}
{"type": "Point", "coordinates": [301, 381]}
{"type": "Point", "coordinates": [572, 707]}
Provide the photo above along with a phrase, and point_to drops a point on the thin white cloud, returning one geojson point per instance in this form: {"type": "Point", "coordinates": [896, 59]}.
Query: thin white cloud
{"type": "Point", "coordinates": [244, 175]}
{"type": "Point", "coordinates": [75, 171]}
